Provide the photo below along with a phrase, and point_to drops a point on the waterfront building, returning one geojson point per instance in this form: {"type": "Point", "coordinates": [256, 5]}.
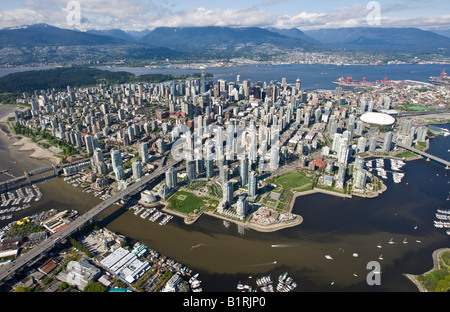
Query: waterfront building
{"type": "Point", "coordinates": [242, 207]}
{"type": "Point", "coordinates": [341, 176]}
{"type": "Point", "coordinates": [228, 190]}
{"type": "Point", "coordinates": [422, 133]}
{"type": "Point", "coordinates": [360, 178]}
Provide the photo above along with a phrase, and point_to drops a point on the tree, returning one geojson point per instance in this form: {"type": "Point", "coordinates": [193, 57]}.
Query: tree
{"type": "Point", "coordinates": [94, 287]}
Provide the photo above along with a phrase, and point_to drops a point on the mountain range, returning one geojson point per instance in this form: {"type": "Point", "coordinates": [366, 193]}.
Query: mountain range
{"type": "Point", "coordinates": [28, 44]}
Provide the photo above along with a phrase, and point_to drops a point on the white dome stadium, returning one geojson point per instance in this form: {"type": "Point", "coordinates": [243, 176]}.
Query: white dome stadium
{"type": "Point", "coordinates": [378, 119]}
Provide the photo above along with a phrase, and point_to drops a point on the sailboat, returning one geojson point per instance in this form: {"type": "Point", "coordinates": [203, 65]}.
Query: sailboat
{"type": "Point", "coordinates": [329, 257]}
{"type": "Point", "coordinates": [380, 257]}
{"type": "Point", "coordinates": [379, 245]}
{"type": "Point", "coordinates": [391, 241]}
{"type": "Point", "coordinates": [405, 241]}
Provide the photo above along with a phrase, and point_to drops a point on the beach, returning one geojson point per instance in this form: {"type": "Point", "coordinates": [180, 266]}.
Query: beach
{"type": "Point", "coordinates": [7, 111]}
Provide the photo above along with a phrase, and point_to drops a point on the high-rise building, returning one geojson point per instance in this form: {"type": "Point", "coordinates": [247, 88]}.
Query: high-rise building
{"type": "Point", "coordinates": [224, 174]}
{"type": "Point", "coordinates": [89, 144]}
{"type": "Point", "coordinates": [244, 171]}
{"type": "Point", "coordinates": [116, 159]}
{"type": "Point", "coordinates": [143, 151]}
{"type": "Point", "coordinates": [372, 144]}
{"type": "Point", "coordinates": [190, 170]}
{"type": "Point", "coordinates": [252, 184]}
{"type": "Point", "coordinates": [359, 181]}
{"type": "Point", "coordinates": [242, 206]}
{"type": "Point", "coordinates": [137, 170]}
{"type": "Point", "coordinates": [118, 171]}
{"type": "Point", "coordinates": [228, 189]}
{"type": "Point", "coordinates": [98, 156]}
{"type": "Point", "coordinates": [343, 152]}
{"type": "Point", "coordinates": [387, 142]}
{"type": "Point", "coordinates": [361, 145]}
{"type": "Point", "coordinates": [209, 168]}
{"type": "Point", "coordinates": [171, 178]}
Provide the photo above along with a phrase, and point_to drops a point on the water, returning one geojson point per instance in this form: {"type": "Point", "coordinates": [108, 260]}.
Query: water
{"type": "Point", "coordinates": [312, 76]}
{"type": "Point", "coordinates": [332, 225]}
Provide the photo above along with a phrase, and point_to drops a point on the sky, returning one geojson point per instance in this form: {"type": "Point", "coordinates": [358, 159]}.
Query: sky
{"type": "Point", "coordinates": [149, 14]}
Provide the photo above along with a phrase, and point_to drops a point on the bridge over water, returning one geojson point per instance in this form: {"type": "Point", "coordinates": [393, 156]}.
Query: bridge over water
{"type": "Point", "coordinates": [5, 185]}
{"type": "Point", "coordinates": [9, 269]}
{"type": "Point", "coordinates": [425, 154]}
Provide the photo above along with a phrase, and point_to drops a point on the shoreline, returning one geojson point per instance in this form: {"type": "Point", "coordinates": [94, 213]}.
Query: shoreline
{"type": "Point", "coordinates": [436, 266]}
{"type": "Point", "coordinates": [260, 228]}
{"type": "Point", "coordinates": [28, 145]}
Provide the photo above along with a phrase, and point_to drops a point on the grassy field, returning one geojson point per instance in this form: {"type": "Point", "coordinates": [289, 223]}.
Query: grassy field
{"type": "Point", "coordinates": [187, 203]}
{"type": "Point", "coordinates": [292, 180]}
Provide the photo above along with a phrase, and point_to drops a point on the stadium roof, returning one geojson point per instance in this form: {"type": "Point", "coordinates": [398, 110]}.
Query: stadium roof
{"type": "Point", "coordinates": [378, 119]}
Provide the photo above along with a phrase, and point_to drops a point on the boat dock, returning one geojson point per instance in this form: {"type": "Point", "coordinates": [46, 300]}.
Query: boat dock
{"type": "Point", "coordinates": [151, 214]}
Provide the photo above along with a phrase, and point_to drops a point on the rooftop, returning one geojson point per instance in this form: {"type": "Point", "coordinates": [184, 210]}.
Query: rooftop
{"type": "Point", "coordinates": [378, 119]}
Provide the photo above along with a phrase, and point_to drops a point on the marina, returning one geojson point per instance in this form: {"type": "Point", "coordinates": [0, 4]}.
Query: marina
{"type": "Point", "coordinates": [285, 283]}
{"type": "Point", "coordinates": [395, 164]}
{"type": "Point", "coordinates": [10, 203]}
{"type": "Point", "coordinates": [151, 214]}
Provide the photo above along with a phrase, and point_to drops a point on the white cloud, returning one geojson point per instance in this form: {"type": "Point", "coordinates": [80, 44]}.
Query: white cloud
{"type": "Point", "coordinates": [138, 15]}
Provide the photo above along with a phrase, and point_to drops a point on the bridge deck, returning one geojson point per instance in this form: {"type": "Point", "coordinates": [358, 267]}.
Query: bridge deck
{"type": "Point", "coordinates": [425, 154]}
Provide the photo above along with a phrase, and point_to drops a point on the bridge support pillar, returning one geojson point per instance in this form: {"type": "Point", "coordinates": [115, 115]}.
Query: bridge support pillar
{"type": "Point", "coordinates": [27, 176]}
{"type": "Point", "coordinates": [55, 170]}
